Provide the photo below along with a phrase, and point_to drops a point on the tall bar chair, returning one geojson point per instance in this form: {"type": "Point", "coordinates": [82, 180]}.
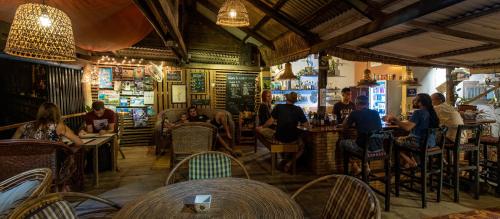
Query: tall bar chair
{"type": "Point", "coordinates": [431, 163]}
{"type": "Point", "coordinates": [453, 155]}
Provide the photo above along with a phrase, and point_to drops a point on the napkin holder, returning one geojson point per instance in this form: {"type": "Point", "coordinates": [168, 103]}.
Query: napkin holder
{"type": "Point", "coordinates": [202, 203]}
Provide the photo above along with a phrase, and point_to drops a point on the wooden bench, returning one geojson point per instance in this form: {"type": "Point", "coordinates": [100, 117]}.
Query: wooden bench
{"type": "Point", "coordinates": [276, 147]}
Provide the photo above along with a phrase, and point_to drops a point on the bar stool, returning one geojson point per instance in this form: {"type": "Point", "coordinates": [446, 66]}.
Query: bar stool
{"type": "Point", "coordinates": [427, 154]}
{"type": "Point", "coordinates": [366, 156]}
{"type": "Point", "coordinates": [492, 168]}
{"type": "Point", "coordinates": [453, 151]}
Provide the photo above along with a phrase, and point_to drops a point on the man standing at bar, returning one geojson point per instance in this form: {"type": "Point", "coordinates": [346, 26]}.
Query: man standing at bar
{"type": "Point", "coordinates": [287, 117]}
{"type": "Point", "coordinates": [448, 116]}
{"type": "Point", "coordinates": [343, 108]}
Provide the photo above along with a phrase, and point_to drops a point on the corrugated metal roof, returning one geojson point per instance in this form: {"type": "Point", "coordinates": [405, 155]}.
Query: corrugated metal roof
{"type": "Point", "coordinates": [484, 57]}
{"type": "Point", "coordinates": [299, 9]}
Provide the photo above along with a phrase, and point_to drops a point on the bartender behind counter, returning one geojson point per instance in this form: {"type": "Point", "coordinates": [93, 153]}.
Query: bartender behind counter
{"type": "Point", "coordinates": [344, 107]}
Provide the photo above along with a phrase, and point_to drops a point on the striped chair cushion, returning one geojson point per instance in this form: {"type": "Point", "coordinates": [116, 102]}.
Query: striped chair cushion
{"type": "Point", "coordinates": [59, 209]}
{"type": "Point", "coordinates": [349, 199]}
{"type": "Point", "coordinates": [208, 166]}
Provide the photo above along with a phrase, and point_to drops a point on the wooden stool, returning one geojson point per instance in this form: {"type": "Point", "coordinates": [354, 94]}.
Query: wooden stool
{"type": "Point", "coordinates": [276, 147]}
{"type": "Point", "coordinates": [366, 157]}
{"type": "Point", "coordinates": [453, 151]}
{"type": "Point", "coordinates": [427, 154]}
{"type": "Point", "coordinates": [492, 168]}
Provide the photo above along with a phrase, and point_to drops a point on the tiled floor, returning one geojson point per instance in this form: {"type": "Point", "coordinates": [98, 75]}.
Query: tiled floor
{"type": "Point", "coordinates": [142, 172]}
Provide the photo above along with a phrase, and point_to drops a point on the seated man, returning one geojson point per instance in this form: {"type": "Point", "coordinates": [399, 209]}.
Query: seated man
{"type": "Point", "coordinates": [99, 120]}
{"type": "Point", "coordinates": [366, 122]}
{"type": "Point", "coordinates": [448, 116]}
{"type": "Point", "coordinates": [288, 117]}
{"type": "Point", "coordinates": [423, 118]}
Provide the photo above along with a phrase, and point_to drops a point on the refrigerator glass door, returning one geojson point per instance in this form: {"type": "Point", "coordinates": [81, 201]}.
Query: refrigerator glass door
{"type": "Point", "coordinates": [378, 97]}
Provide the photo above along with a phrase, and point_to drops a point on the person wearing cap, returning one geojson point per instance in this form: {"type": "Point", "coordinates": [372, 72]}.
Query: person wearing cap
{"type": "Point", "coordinates": [100, 120]}
{"type": "Point", "coordinates": [287, 117]}
{"type": "Point", "coordinates": [366, 122]}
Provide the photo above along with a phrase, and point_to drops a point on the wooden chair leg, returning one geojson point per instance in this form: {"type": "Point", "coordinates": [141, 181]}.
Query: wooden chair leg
{"type": "Point", "coordinates": [476, 175]}
{"type": "Point", "coordinates": [423, 178]}
{"type": "Point", "coordinates": [121, 152]}
{"type": "Point", "coordinates": [273, 163]}
{"type": "Point", "coordinates": [397, 167]}
{"type": "Point", "coordinates": [388, 178]}
{"type": "Point", "coordinates": [364, 170]}
{"type": "Point", "coordinates": [456, 177]}
{"type": "Point", "coordinates": [346, 163]}
{"type": "Point", "coordinates": [440, 178]}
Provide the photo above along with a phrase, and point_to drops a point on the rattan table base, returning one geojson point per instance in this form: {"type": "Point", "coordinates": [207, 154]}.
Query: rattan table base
{"type": "Point", "coordinates": [231, 198]}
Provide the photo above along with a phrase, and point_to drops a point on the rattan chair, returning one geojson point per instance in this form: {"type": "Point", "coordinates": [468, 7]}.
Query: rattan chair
{"type": "Point", "coordinates": [349, 198]}
{"type": "Point", "coordinates": [54, 200]}
{"type": "Point", "coordinates": [20, 155]}
{"type": "Point", "coordinates": [190, 138]}
{"type": "Point", "coordinates": [44, 175]}
{"type": "Point", "coordinates": [207, 165]}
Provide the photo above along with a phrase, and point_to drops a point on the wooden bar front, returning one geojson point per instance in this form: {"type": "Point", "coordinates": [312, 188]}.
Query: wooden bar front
{"type": "Point", "coordinates": [322, 155]}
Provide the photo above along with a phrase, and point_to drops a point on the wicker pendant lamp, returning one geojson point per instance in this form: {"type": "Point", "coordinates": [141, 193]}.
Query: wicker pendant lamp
{"type": "Point", "coordinates": [42, 32]}
{"type": "Point", "coordinates": [410, 80]}
{"type": "Point", "coordinates": [287, 73]}
{"type": "Point", "coordinates": [367, 80]}
{"type": "Point", "coordinates": [233, 13]}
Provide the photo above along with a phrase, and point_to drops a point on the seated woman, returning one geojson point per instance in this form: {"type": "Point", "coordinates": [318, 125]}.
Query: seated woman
{"type": "Point", "coordinates": [423, 117]}
{"type": "Point", "coordinates": [47, 126]}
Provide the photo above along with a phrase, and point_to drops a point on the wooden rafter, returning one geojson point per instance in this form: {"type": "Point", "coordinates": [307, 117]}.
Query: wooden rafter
{"type": "Point", "coordinates": [455, 33]}
{"type": "Point", "coordinates": [365, 9]}
{"type": "Point", "coordinates": [292, 26]}
{"type": "Point", "coordinates": [402, 57]}
{"type": "Point", "coordinates": [462, 51]}
{"type": "Point", "coordinates": [403, 15]}
{"type": "Point", "coordinates": [266, 18]}
{"type": "Point", "coordinates": [467, 16]}
{"type": "Point", "coordinates": [158, 18]}
{"type": "Point", "coordinates": [248, 31]}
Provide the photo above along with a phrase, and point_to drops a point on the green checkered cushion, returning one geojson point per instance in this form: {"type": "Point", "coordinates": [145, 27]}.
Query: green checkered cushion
{"type": "Point", "coordinates": [59, 209]}
{"type": "Point", "coordinates": [208, 166]}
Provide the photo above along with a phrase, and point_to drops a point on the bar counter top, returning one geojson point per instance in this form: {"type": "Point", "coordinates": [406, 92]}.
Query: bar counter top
{"type": "Point", "coordinates": [338, 128]}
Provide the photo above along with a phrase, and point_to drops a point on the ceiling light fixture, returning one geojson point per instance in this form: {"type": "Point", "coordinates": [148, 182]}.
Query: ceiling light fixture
{"type": "Point", "coordinates": [233, 13]}
{"type": "Point", "coordinates": [42, 32]}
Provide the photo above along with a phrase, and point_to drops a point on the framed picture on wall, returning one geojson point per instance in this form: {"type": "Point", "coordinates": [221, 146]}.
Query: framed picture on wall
{"type": "Point", "coordinates": [199, 83]}
{"type": "Point", "coordinates": [179, 93]}
{"type": "Point", "coordinates": [174, 76]}
{"type": "Point", "coordinates": [105, 78]}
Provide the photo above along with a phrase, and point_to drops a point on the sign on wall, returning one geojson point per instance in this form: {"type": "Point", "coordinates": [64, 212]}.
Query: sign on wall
{"type": "Point", "coordinates": [240, 92]}
{"type": "Point", "coordinates": [199, 83]}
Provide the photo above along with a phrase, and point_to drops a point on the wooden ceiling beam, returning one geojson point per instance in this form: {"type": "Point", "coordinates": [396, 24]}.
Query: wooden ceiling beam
{"type": "Point", "coordinates": [158, 26]}
{"type": "Point", "coordinates": [266, 18]}
{"type": "Point", "coordinates": [400, 16]}
{"type": "Point", "coordinates": [462, 51]}
{"type": "Point", "coordinates": [402, 57]}
{"type": "Point", "coordinates": [365, 9]}
{"type": "Point", "coordinates": [455, 33]}
{"type": "Point", "coordinates": [172, 23]}
{"type": "Point", "coordinates": [292, 26]}
{"type": "Point", "coordinates": [248, 31]}
{"type": "Point", "coordinates": [467, 16]}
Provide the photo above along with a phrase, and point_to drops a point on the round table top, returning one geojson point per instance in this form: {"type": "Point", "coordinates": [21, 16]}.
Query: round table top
{"type": "Point", "coordinates": [231, 198]}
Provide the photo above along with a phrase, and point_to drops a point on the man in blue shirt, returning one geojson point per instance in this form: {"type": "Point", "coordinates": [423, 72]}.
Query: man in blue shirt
{"type": "Point", "coordinates": [366, 122]}
{"type": "Point", "coordinates": [423, 118]}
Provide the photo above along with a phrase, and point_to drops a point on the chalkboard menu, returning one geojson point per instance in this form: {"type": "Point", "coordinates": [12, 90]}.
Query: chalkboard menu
{"type": "Point", "coordinates": [240, 92]}
{"type": "Point", "coordinates": [198, 83]}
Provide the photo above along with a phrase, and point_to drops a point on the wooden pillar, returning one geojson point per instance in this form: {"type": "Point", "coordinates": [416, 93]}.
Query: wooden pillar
{"type": "Point", "coordinates": [450, 87]}
{"type": "Point", "coordinates": [322, 81]}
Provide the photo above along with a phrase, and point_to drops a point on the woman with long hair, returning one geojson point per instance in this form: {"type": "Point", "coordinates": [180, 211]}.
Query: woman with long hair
{"type": "Point", "coordinates": [265, 107]}
{"type": "Point", "coordinates": [47, 126]}
{"type": "Point", "coordinates": [423, 117]}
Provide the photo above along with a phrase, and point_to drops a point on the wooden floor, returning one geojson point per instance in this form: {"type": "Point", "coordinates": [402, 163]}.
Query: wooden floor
{"type": "Point", "coordinates": [142, 172]}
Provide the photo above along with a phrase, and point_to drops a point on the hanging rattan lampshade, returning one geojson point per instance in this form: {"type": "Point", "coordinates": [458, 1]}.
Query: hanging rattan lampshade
{"type": "Point", "coordinates": [41, 32]}
{"type": "Point", "coordinates": [233, 13]}
{"type": "Point", "coordinates": [410, 80]}
{"type": "Point", "coordinates": [287, 73]}
{"type": "Point", "coordinates": [367, 80]}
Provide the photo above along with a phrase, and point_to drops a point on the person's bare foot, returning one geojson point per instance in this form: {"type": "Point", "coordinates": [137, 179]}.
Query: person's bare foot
{"type": "Point", "coordinates": [229, 136]}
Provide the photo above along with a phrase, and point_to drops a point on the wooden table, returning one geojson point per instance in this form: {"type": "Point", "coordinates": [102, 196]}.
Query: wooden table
{"type": "Point", "coordinates": [95, 143]}
{"type": "Point", "coordinates": [231, 198]}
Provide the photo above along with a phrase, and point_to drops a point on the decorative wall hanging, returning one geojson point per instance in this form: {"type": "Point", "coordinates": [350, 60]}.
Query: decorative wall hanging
{"type": "Point", "coordinates": [233, 13]}
{"type": "Point", "coordinates": [199, 83]}
{"type": "Point", "coordinates": [174, 76]}
{"type": "Point", "coordinates": [178, 93]}
{"type": "Point", "coordinates": [105, 78]}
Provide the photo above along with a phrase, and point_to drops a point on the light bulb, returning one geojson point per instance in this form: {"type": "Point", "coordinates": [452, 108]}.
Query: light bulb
{"type": "Point", "coordinates": [232, 13]}
{"type": "Point", "coordinates": [45, 20]}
